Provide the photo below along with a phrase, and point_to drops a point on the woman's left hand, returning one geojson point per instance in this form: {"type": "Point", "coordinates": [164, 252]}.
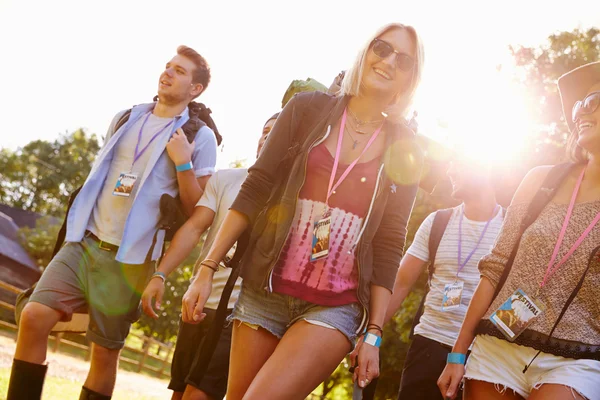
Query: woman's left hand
{"type": "Point", "coordinates": [368, 365]}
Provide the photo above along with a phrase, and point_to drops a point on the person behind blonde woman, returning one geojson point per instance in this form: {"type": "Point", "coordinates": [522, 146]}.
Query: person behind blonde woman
{"type": "Point", "coordinates": [348, 161]}
{"type": "Point", "coordinates": [537, 332]}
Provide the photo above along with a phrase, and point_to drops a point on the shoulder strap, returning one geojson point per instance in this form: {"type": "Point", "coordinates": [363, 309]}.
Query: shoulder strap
{"type": "Point", "coordinates": [62, 233]}
{"type": "Point", "coordinates": [545, 193]}
{"type": "Point", "coordinates": [438, 227]}
{"type": "Point", "coordinates": [124, 118]}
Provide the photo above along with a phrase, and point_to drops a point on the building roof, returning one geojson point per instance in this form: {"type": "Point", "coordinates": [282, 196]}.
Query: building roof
{"type": "Point", "coordinates": [9, 243]}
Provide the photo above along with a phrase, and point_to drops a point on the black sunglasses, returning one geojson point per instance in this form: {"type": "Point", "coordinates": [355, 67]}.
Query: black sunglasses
{"type": "Point", "coordinates": [383, 49]}
{"type": "Point", "coordinates": [586, 106]}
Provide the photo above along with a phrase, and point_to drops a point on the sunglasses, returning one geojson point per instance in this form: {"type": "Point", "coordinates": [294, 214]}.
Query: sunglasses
{"type": "Point", "coordinates": [383, 49]}
{"type": "Point", "coordinates": [586, 106]}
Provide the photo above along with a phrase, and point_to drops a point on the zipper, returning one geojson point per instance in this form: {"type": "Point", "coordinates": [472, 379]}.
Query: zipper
{"type": "Point", "coordinates": [269, 287]}
{"type": "Point", "coordinates": [375, 194]}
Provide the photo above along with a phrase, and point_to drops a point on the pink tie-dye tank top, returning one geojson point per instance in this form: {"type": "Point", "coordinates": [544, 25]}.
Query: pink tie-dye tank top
{"type": "Point", "coordinates": [331, 281]}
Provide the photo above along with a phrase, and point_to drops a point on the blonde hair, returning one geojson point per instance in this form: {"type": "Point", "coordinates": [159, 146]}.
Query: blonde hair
{"type": "Point", "coordinates": [352, 80]}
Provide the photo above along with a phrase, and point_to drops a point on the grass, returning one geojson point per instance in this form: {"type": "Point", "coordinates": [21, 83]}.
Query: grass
{"type": "Point", "coordinates": [60, 389]}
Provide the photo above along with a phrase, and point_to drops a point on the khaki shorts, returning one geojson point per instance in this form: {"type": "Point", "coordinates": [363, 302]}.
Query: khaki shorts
{"type": "Point", "coordinates": [84, 277]}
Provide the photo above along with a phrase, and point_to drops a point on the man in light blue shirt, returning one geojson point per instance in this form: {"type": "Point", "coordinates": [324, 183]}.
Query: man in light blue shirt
{"type": "Point", "coordinates": [109, 255]}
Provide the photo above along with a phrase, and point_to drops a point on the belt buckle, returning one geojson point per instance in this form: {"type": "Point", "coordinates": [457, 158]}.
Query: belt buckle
{"type": "Point", "coordinates": [101, 247]}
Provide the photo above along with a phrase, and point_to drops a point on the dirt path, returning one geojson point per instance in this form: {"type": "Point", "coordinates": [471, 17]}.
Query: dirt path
{"type": "Point", "coordinates": [74, 369]}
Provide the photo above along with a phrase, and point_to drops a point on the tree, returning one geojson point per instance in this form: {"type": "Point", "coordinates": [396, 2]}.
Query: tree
{"type": "Point", "coordinates": [39, 241]}
{"type": "Point", "coordinates": [538, 70]}
{"type": "Point", "coordinates": [40, 176]}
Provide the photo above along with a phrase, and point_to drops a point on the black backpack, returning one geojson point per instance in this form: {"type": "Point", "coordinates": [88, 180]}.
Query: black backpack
{"type": "Point", "coordinates": [546, 192]}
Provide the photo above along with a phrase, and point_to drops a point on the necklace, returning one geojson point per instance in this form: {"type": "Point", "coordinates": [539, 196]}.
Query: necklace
{"type": "Point", "coordinates": [358, 123]}
{"type": "Point", "coordinates": [354, 141]}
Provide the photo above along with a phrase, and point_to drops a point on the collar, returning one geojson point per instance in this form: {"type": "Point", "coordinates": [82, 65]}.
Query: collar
{"type": "Point", "coordinates": [143, 108]}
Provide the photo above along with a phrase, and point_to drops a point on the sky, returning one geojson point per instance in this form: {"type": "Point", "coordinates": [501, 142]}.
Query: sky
{"type": "Point", "coordinates": [72, 64]}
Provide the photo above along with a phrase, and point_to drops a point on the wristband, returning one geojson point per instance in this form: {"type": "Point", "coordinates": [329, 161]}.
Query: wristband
{"type": "Point", "coordinates": [184, 167]}
{"type": "Point", "coordinates": [206, 264]}
{"type": "Point", "coordinates": [372, 339]}
{"type": "Point", "coordinates": [160, 275]}
{"type": "Point", "coordinates": [456, 358]}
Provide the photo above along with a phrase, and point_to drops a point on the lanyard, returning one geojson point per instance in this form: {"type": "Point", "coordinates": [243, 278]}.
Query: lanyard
{"type": "Point", "coordinates": [336, 160]}
{"type": "Point", "coordinates": [461, 265]}
{"type": "Point", "coordinates": [137, 154]}
{"type": "Point", "coordinates": [552, 269]}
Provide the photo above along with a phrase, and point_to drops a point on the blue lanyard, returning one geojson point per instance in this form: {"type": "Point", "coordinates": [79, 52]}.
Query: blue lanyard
{"type": "Point", "coordinates": [137, 154]}
{"type": "Point", "coordinates": [461, 265]}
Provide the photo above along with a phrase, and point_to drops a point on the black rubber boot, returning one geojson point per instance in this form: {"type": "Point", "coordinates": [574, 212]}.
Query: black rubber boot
{"type": "Point", "coordinates": [88, 394]}
{"type": "Point", "coordinates": [26, 381]}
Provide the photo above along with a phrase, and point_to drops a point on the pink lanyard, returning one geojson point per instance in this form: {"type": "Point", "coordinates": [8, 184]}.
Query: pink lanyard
{"type": "Point", "coordinates": [551, 270]}
{"type": "Point", "coordinates": [336, 160]}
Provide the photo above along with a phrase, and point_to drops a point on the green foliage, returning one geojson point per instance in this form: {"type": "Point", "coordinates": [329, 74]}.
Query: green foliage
{"type": "Point", "coordinates": [39, 241]}
{"type": "Point", "coordinates": [40, 176]}
{"type": "Point", "coordinates": [538, 70]}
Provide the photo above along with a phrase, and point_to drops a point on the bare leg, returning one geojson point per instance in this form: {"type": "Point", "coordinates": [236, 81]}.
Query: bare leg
{"type": "Point", "coordinates": [103, 370]}
{"type": "Point", "coordinates": [479, 390]}
{"type": "Point", "coordinates": [250, 349]}
{"type": "Point", "coordinates": [555, 392]}
{"type": "Point", "coordinates": [305, 357]}
{"type": "Point", "coordinates": [35, 325]}
{"type": "Point", "coordinates": [177, 396]}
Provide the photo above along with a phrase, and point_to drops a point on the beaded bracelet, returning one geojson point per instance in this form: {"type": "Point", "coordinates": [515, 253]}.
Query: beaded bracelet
{"type": "Point", "coordinates": [160, 275]}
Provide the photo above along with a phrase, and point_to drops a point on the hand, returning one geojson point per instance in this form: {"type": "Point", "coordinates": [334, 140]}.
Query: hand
{"type": "Point", "coordinates": [154, 289]}
{"type": "Point", "coordinates": [194, 299]}
{"type": "Point", "coordinates": [179, 148]}
{"type": "Point", "coordinates": [450, 379]}
{"type": "Point", "coordinates": [354, 355]}
{"type": "Point", "coordinates": [368, 365]}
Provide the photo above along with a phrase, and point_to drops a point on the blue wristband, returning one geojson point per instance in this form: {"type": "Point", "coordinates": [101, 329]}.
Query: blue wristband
{"type": "Point", "coordinates": [372, 339]}
{"type": "Point", "coordinates": [161, 275]}
{"type": "Point", "coordinates": [184, 167]}
{"type": "Point", "coordinates": [456, 358]}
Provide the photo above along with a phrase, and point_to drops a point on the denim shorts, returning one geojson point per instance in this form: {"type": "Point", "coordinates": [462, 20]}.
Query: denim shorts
{"type": "Point", "coordinates": [277, 312]}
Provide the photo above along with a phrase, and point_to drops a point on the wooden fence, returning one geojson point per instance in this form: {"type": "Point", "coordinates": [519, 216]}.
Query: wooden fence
{"type": "Point", "coordinates": [148, 350]}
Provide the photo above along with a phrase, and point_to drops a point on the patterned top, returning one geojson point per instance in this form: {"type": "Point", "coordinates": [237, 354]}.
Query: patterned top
{"type": "Point", "coordinates": [331, 281]}
{"type": "Point", "coordinates": [581, 322]}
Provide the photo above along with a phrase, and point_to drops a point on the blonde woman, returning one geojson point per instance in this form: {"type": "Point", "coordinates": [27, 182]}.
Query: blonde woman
{"type": "Point", "coordinates": [345, 166]}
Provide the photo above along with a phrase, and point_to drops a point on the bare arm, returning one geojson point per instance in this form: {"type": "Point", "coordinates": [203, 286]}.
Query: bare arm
{"type": "Point", "coordinates": [234, 224]}
{"type": "Point", "coordinates": [186, 239]}
{"type": "Point", "coordinates": [410, 269]}
{"type": "Point", "coordinates": [190, 189]}
{"type": "Point", "coordinates": [368, 356]}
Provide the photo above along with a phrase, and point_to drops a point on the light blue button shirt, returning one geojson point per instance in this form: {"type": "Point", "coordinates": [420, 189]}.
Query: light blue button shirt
{"type": "Point", "coordinates": [159, 177]}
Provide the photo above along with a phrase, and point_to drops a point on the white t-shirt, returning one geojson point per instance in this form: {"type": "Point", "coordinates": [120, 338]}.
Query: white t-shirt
{"type": "Point", "coordinates": [108, 218]}
{"type": "Point", "coordinates": [435, 324]}
{"type": "Point", "coordinates": [221, 190]}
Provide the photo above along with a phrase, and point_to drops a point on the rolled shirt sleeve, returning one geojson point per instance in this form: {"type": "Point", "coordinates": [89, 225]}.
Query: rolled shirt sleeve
{"type": "Point", "coordinates": [204, 156]}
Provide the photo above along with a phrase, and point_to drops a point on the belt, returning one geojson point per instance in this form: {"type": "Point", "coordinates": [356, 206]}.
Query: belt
{"type": "Point", "coordinates": [102, 244]}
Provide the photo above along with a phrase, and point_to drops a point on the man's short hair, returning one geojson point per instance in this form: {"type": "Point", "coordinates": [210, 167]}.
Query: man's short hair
{"type": "Point", "coordinates": [201, 74]}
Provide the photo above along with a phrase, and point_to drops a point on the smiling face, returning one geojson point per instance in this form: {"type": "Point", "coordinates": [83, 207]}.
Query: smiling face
{"type": "Point", "coordinates": [382, 76]}
{"type": "Point", "coordinates": [176, 82]}
{"type": "Point", "coordinates": [588, 127]}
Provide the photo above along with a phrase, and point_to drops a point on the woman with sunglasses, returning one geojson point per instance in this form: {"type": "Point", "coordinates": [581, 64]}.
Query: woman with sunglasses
{"type": "Point", "coordinates": [327, 204]}
{"type": "Point", "coordinates": [539, 338]}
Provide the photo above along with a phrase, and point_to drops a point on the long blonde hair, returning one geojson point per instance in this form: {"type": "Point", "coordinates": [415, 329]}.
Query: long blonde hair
{"type": "Point", "coordinates": [353, 77]}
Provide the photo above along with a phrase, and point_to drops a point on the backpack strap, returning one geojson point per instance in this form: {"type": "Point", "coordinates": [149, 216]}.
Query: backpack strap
{"type": "Point", "coordinates": [545, 193]}
{"type": "Point", "coordinates": [438, 227]}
